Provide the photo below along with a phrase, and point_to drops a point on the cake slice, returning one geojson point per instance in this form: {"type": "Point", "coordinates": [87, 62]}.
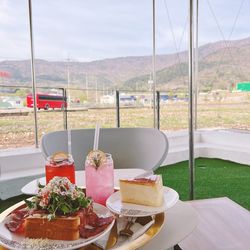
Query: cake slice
{"type": "Point", "coordinates": [143, 191]}
{"type": "Point", "coordinates": [60, 228]}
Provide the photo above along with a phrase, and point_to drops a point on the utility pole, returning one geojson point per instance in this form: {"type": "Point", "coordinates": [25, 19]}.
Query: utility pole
{"type": "Point", "coordinates": [150, 83]}
{"type": "Point", "coordinates": [96, 98]}
{"type": "Point", "coordinates": [87, 86]}
{"type": "Point", "coordinates": [68, 82]}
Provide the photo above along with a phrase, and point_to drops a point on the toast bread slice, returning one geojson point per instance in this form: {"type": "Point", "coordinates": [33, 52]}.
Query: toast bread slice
{"type": "Point", "coordinates": [60, 228]}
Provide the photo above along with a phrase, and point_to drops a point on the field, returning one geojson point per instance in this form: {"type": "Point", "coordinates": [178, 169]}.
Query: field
{"type": "Point", "coordinates": [18, 131]}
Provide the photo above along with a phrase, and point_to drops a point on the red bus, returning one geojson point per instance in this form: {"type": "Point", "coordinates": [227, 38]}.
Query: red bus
{"type": "Point", "coordinates": [46, 101]}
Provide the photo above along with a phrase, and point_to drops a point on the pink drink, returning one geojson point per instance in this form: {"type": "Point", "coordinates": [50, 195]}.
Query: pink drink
{"type": "Point", "coordinates": [99, 180]}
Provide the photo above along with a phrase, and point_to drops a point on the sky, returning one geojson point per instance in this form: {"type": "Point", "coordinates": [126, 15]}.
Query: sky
{"type": "Point", "coordinates": [87, 30]}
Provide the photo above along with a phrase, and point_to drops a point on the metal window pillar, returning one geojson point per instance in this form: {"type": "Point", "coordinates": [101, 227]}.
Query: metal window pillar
{"type": "Point", "coordinates": [190, 106]}
{"type": "Point", "coordinates": [153, 67]}
{"type": "Point", "coordinates": [196, 64]}
{"type": "Point", "coordinates": [33, 73]}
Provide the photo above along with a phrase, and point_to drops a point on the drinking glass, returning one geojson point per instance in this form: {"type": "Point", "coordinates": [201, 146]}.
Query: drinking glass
{"type": "Point", "coordinates": [99, 179]}
{"type": "Point", "coordinates": [62, 168]}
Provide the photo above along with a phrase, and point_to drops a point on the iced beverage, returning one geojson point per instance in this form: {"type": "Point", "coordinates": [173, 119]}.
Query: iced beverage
{"type": "Point", "coordinates": [62, 166]}
{"type": "Point", "coordinates": [99, 172]}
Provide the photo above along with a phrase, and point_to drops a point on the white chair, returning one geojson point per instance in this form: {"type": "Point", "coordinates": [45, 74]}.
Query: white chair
{"type": "Point", "coordinates": [144, 148]}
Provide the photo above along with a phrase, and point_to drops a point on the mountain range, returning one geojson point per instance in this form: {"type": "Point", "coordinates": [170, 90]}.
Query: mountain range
{"type": "Point", "coordinates": [221, 65]}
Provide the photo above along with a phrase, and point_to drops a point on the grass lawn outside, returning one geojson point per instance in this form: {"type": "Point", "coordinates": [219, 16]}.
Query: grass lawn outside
{"type": "Point", "coordinates": [18, 131]}
{"type": "Point", "coordinates": [213, 178]}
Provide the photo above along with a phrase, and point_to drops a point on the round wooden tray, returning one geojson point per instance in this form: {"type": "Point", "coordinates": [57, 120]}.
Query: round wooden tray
{"type": "Point", "coordinates": [138, 242]}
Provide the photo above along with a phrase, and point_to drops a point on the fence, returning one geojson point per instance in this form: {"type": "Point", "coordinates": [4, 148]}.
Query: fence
{"type": "Point", "coordinates": [119, 108]}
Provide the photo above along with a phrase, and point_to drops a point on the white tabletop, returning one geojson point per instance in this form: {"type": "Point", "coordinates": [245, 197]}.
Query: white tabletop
{"type": "Point", "coordinates": [224, 224]}
{"type": "Point", "coordinates": [180, 221]}
{"type": "Point", "coordinates": [32, 187]}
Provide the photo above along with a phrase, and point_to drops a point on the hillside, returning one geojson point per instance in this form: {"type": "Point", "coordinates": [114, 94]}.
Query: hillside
{"type": "Point", "coordinates": [219, 67]}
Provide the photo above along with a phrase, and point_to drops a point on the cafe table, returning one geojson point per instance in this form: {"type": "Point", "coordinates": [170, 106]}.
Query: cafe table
{"type": "Point", "coordinates": [223, 224]}
{"type": "Point", "coordinates": [179, 220]}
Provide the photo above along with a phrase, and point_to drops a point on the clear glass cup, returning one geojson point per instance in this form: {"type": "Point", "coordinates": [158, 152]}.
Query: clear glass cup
{"type": "Point", "coordinates": [62, 168]}
{"type": "Point", "coordinates": [99, 180]}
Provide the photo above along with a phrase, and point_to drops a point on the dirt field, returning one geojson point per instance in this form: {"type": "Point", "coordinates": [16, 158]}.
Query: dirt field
{"type": "Point", "coordinates": [18, 131]}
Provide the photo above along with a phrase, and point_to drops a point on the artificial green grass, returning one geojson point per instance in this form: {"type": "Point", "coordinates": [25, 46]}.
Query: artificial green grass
{"type": "Point", "coordinates": [213, 178]}
{"type": "Point", "coordinates": [11, 201]}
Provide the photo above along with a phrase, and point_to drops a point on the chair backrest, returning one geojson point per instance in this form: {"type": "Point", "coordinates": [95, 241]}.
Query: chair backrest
{"type": "Point", "coordinates": [144, 148]}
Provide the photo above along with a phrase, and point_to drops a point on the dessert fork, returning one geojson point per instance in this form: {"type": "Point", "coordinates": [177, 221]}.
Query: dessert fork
{"type": "Point", "coordinates": [127, 231]}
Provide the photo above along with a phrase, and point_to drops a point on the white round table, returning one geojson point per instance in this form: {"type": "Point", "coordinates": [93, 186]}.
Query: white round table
{"type": "Point", "coordinates": [180, 221]}
{"type": "Point", "coordinates": [32, 187]}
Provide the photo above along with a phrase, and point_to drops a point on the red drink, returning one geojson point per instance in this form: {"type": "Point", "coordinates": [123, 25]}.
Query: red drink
{"type": "Point", "coordinates": [63, 167]}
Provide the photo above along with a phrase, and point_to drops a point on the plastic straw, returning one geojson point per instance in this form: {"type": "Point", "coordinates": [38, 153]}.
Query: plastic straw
{"type": "Point", "coordinates": [69, 142]}
{"type": "Point", "coordinates": [96, 139]}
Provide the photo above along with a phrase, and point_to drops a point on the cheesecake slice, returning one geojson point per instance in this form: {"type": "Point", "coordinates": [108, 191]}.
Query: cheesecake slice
{"type": "Point", "coordinates": [142, 191]}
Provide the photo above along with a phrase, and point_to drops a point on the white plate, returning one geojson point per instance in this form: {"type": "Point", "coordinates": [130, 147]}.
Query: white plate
{"type": "Point", "coordinates": [17, 242]}
{"type": "Point", "coordinates": [133, 210]}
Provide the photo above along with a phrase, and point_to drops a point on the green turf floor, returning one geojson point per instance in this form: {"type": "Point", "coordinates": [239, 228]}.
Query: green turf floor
{"type": "Point", "coordinates": [11, 201]}
{"type": "Point", "coordinates": [213, 178]}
